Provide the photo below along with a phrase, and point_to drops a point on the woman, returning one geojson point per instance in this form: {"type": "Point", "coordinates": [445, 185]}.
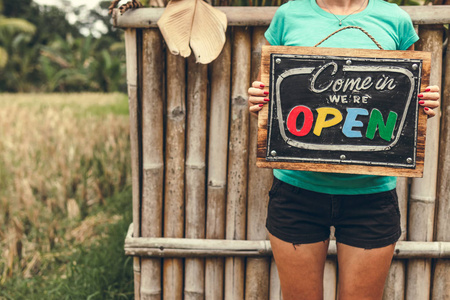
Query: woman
{"type": "Point", "coordinates": [303, 205]}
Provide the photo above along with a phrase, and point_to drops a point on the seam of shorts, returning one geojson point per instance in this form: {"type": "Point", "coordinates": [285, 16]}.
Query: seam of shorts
{"type": "Point", "coordinates": [298, 239]}
{"type": "Point", "coordinates": [379, 243]}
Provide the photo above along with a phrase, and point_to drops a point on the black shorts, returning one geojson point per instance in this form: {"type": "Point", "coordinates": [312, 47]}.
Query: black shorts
{"type": "Point", "coordinates": [300, 216]}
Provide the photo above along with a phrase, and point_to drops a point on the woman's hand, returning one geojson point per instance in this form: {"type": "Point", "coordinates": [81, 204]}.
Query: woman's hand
{"type": "Point", "coordinates": [257, 97]}
{"type": "Point", "coordinates": [429, 99]}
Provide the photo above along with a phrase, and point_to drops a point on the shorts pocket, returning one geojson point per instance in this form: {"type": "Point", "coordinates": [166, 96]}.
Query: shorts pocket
{"type": "Point", "coordinates": [392, 203]}
{"type": "Point", "coordinates": [275, 185]}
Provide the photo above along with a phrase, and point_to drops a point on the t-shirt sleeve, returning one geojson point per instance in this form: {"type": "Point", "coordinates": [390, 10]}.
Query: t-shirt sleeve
{"type": "Point", "coordinates": [274, 34]}
{"type": "Point", "coordinates": [407, 34]}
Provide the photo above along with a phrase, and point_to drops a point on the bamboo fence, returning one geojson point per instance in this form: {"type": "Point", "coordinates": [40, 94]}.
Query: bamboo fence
{"type": "Point", "coordinates": [199, 202]}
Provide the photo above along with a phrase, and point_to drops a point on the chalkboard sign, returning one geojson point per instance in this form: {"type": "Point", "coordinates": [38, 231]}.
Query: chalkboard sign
{"type": "Point", "coordinates": [344, 110]}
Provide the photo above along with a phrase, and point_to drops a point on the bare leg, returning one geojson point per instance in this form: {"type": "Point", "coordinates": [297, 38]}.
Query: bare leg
{"type": "Point", "coordinates": [362, 272]}
{"type": "Point", "coordinates": [300, 268]}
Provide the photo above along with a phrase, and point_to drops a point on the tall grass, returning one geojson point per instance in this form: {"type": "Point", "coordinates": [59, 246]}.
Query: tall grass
{"type": "Point", "coordinates": [61, 157]}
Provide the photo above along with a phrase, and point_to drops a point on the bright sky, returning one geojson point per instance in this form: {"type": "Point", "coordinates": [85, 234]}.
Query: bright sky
{"type": "Point", "coordinates": [88, 3]}
{"type": "Point", "coordinates": [98, 27]}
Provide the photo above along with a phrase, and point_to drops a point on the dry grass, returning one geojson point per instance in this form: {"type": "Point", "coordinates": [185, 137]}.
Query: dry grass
{"type": "Point", "coordinates": [60, 156]}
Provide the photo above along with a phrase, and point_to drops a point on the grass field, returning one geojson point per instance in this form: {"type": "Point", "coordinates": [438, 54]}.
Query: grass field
{"type": "Point", "coordinates": [64, 196]}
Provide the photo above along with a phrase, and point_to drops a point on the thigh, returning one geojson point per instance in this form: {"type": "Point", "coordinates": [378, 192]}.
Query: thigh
{"type": "Point", "coordinates": [363, 272]}
{"type": "Point", "coordinates": [300, 268]}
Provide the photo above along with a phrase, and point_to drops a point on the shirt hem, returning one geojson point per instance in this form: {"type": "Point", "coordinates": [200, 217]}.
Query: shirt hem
{"type": "Point", "coordinates": [335, 191]}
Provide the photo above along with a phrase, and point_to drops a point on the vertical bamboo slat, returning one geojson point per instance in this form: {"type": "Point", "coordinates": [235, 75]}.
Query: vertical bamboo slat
{"type": "Point", "coordinates": [274, 286]}
{"type": "Point", "coordinates": [132, 82]}
{"type": "Point", "coordinates": [217, 167]}
{"type": "Point", "coordinates": [330, 274]}
{"type": "Point", "coordinates": [259, 182]}
{"type": "Point", "coordinates": [423, 190]}
{"type": "Point", "coordinates": [441, 282]}
{"type": "Point", "coordinates": [195, 174]}
{"type": "Point", "coordinates": [153, 158]}
{"type": "Point", "coordinates": [403, 194]}
{"type": "Point", "coordinates": [238, 161]}
{"type": "Point", "coordinates": [395, 282]}
{"type": "Point", "coordinates": [330, 279]}
{"type": "Point", "coordinates": [174, 175]}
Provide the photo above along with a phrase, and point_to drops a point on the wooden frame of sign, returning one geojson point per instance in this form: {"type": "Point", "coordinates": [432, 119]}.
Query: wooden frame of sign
{"type": "Point", "coordinates": [338, 110]}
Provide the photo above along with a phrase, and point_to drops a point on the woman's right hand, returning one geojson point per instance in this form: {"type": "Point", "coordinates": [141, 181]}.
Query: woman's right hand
{"type": "Point", "coordinates": [257, 97]}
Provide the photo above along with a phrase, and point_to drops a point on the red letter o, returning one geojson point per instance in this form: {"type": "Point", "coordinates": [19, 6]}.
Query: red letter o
{"type": "Point", "coordinates": [292, 120]}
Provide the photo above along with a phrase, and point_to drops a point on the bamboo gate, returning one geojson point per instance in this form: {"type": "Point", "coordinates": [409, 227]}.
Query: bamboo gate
{"type": "Point", "coordinates": [199, 202]}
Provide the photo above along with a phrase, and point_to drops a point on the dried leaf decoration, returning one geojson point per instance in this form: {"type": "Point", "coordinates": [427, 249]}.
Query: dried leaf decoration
{"type": "Point", "coordinates": [194, 23]}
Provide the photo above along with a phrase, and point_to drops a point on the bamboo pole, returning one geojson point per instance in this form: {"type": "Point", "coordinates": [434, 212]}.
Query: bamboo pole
{"type": "Point", "coordinates": [423, 190]}
{"type": "Point", "coordinates": [259, 182]}
{"type": "Point", "coordinates": [275, 286]}
{"type": "Point", "coordinates": [330, 279]}
{"type": "Point", "coordinates": [262, 16]}
{"type": "Point", "coordinates": [195, 175]}
{"type": "Point", "coordinates": [174, 175]}
{"type": "Point", "coordinates": [132, 82]}
{"type": "Point", "coordinates": [403, 195]}
{"type": "Point", "coordinates": [153, 161]}
{"type": "Point", "coordinates": [238, 161]}
{"type": "Point", "coordinates": [330, 274]}
{"type": "Point", "coordinates": [182, 247]}
{"type": "Point", "coordinates": [441, 282]}
{"type": "Point", "coordinates": [217, 167]}
{"type": "Point", "coordinates": [395, 283]}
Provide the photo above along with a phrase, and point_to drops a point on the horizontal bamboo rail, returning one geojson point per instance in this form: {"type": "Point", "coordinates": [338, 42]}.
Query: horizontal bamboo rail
{"type": "Point", "coordinates": [182, 247]}
{"type": "Point", "coordinates": [261, 16]}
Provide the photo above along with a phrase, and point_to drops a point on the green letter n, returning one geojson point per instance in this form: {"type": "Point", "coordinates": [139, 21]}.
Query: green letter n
{"type": "Point", "coordinates": [376, 121]}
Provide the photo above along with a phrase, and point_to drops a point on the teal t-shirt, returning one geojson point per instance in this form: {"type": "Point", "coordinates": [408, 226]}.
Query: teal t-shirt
{"type": "Point", "coordinates": [304, 23]}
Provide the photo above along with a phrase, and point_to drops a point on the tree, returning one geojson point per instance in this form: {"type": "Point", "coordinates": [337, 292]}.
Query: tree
{"type": "Point", "coordinates": [10, 29]}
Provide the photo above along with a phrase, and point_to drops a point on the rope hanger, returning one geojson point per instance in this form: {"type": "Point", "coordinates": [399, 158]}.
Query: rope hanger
{"type": "Point", "coordinates": [350, 27]}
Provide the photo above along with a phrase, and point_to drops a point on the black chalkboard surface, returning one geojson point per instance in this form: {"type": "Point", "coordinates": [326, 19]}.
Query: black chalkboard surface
{"type": "Point", "coordinates": [329, 110]}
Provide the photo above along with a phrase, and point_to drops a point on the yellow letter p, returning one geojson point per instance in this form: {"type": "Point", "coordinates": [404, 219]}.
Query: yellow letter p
{"type": "Point", "coordinates": [322, 121]}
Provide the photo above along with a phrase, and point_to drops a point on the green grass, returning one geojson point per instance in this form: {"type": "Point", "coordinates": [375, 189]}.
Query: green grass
{"type": "Point", "coordinates": [65, 196]}
{"type": "Point", "coordinates": [98, 271]}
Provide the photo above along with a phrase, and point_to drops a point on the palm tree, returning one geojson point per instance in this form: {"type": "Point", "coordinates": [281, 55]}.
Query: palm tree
{"type": "Point", "coordinates": [9, 28]}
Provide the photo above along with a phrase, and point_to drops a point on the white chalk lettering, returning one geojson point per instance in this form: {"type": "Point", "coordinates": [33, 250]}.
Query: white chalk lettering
{"type": "Point", "coordinates": [314, 78]}
{"type": "Point", "coordinates": [345, 84]}
{"type": "Point", "coordinates": [384, 83]}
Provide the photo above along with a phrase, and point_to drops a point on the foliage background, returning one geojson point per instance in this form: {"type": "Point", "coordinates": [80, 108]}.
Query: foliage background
{"type": "Point", "coordinates": [48, 54]}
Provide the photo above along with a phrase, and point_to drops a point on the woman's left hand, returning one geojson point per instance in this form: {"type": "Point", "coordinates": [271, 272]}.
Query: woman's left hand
{"type": "Point", "coordinates": [429, 100]}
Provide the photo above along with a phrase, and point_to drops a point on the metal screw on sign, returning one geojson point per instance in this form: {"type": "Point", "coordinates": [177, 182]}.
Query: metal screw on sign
{"type": "Point", "coordinates": [343, 157]}
{"type": "Point", "coordinates": [415, 66]}
{"type": "Point", "coordinates": [409, 160]}
{"type": "Point", "coordinates": [273, 153]}
{"type": "Point", "coordinates": [278, 61]}
{"type": "Point", "coordinates": [348, 62]}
